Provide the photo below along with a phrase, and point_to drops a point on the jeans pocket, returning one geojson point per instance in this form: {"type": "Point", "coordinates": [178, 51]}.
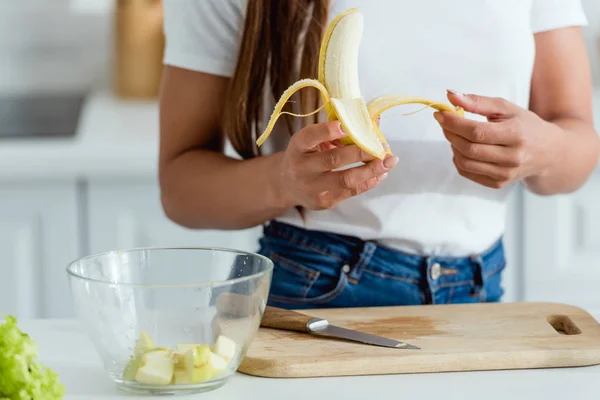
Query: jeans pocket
{"type": "Point", "coordinates": [305, 282]}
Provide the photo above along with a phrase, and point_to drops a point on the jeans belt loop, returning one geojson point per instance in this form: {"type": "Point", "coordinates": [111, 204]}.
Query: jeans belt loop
{"type": "Point", "coordinates": [363, 259]}
{"type": "Point", "coordinates": [428, 285]}
{"type": "Point", "coordinates": [478, 275]}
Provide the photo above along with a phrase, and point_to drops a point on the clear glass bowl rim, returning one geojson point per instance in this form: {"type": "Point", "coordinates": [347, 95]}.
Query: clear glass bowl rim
{"type": "Point", "coordinates": [269, 267]}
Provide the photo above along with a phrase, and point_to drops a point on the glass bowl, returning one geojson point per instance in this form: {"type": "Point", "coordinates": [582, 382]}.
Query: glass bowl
{"type": "Point", "coordinates": [171, 320]}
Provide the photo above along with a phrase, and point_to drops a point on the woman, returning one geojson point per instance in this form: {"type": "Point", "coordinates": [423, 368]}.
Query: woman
{"type": "Point", "coordinates": [423, 226]}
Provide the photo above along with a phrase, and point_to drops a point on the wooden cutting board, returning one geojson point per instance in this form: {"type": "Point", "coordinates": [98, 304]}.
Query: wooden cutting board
{"type": "Point", "coordinates": [466, 337]}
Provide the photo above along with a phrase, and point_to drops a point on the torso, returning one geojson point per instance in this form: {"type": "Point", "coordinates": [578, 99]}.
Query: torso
{"type": "Point", "coordinates": [475, 46]}
{"type": "Point", "coordinates": [412, 47]}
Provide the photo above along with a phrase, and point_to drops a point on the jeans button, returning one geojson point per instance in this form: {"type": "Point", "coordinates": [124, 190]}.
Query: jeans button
{"type": "Point", "coordinates": [436, 271]}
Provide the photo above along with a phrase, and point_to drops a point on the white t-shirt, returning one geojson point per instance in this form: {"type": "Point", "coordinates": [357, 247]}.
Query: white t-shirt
{"type": "Point", "coordinates": [413, 47]}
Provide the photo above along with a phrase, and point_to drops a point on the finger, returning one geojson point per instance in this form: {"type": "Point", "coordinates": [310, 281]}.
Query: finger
{"type": "Point", "coordinates": [324, 146]}
{"type": "Point", "coordinates": [483, 180]}
{"type": "Point", "coordinates": [336, 157]}
{"type": "Point", "coordinates": [330, 198]}
{"type": "Point", "coordinates": [478, 132]}
{"type": "Point", "coordinates": [309, 138]}
{"type": "Point", "coordinates": [386, 146]}
{"type": "Point", "coordinates": [352, 179]}
{"type": "Point", "coordinates": [493, 171]}
{"type": "Point", "coordinates": [501, 155]}
{"type": "Point", "coordinates": [494, 108]}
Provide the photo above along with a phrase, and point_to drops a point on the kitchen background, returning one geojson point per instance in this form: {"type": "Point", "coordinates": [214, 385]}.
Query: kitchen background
{"type": "Point", "coordinates": [78, 168]}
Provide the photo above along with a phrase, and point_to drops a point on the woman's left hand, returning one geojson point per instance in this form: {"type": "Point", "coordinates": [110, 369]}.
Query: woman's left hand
{"type": "Point", "coordinates": [511, 145]}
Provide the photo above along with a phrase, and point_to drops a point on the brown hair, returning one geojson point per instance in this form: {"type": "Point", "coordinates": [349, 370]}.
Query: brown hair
{"type": "Point", "coordinates": [277, 35]}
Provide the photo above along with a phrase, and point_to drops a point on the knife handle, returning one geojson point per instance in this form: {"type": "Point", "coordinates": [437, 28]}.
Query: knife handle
{"type": "Point", "coordinates": [278, 318]}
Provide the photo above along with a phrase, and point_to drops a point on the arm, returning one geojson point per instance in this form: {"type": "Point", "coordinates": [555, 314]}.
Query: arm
{"type": "Point", "coordinates": [553, 147]}
{"type": "Point", "coordinates": [200, 186]}
{"type": "Point", "coordinates": [203, 188]}
{"type": "Point", "coordinates": [561, 95]}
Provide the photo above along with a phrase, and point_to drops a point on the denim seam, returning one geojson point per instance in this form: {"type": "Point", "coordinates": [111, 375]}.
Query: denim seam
{"type": "Point", "coordinates": [456, 284]}
{"type": "Point", "coordinates": [470, 281]}
{"type": "Point", "coordinates": [325, 298]}
{"type": "Point", "coordinates": [293, 267]}
{"type": "Point", "coordinates": [386, 276]}
{"type": "Point", "coordinates": [311, 284]}
{"type": "Point", "coordinates": [451, 294]}
{"type": "Point", "coordinates": [495, 270]}
{"type": "Point", "coordinates": [309, 247]}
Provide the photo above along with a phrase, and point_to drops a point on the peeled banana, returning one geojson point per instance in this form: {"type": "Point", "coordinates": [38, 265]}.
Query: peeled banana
{"type": "Point", "coordinates": [338, 84]}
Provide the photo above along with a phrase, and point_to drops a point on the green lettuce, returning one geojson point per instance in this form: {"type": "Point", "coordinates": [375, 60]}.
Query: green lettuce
{"type": "Point", "coordinates": [21, 376]}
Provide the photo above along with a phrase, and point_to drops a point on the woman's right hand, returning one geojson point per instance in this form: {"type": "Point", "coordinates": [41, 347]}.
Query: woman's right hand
{"type": "Point", "coordinates": [307, 176]}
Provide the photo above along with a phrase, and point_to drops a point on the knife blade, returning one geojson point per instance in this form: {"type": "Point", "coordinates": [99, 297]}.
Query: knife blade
{"type": "Point", "coordinates": [278, 318]}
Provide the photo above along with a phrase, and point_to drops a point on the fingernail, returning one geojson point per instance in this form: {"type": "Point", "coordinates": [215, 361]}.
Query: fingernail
{"type": "Point", "coordinates": [390, 162]}
{"type": "Point", "coordinates": [382, 177]}
{"type": "Point", "coordinates": [454, 92]}
{"type": "Point", "coordinates": [342, 129]}
{"type": "Point", "coordinates": [439, 117]}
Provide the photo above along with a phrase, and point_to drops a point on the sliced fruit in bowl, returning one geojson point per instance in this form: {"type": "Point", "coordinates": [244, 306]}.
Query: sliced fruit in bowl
{"type": "Point", "coordinates": [156, 367]}
{"type": "Point", "coordinates": [186, 364]}
{"type": "Point", "coordinates": [153, 314]}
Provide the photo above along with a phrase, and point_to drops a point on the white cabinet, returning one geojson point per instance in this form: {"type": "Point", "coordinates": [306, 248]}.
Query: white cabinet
{"type": "Point", "coordinates": [39, 235]}
{"type": "Point", "coordinates": [511, 277]}
{"type": "Point", "coordinates": [128, 214]}
{"type": "Point", "coordinates": [562, 246]}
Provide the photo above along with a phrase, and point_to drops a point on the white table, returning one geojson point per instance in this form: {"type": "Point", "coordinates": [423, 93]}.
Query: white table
{"type": "Point", "coordinates": [82, 374]}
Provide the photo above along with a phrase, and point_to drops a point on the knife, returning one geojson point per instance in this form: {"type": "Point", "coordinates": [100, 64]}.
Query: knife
{"type": "Point", "coordinates": [278, 318]}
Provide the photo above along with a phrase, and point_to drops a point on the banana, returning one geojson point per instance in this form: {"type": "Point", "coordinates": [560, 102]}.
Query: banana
{"type": "Point", "coordinates": [339, 86]}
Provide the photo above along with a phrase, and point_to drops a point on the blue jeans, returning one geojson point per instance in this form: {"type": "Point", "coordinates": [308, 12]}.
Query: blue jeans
{"type": "Point", "coordinates": [315, 269]}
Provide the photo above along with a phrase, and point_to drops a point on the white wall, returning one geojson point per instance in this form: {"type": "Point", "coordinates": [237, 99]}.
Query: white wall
{"type": "Point", "coordinates": [592, 36]}
{"type": "Point", "coordinates": [64, 44]}
{"type": "Point", "coordinates": [46, 45]}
